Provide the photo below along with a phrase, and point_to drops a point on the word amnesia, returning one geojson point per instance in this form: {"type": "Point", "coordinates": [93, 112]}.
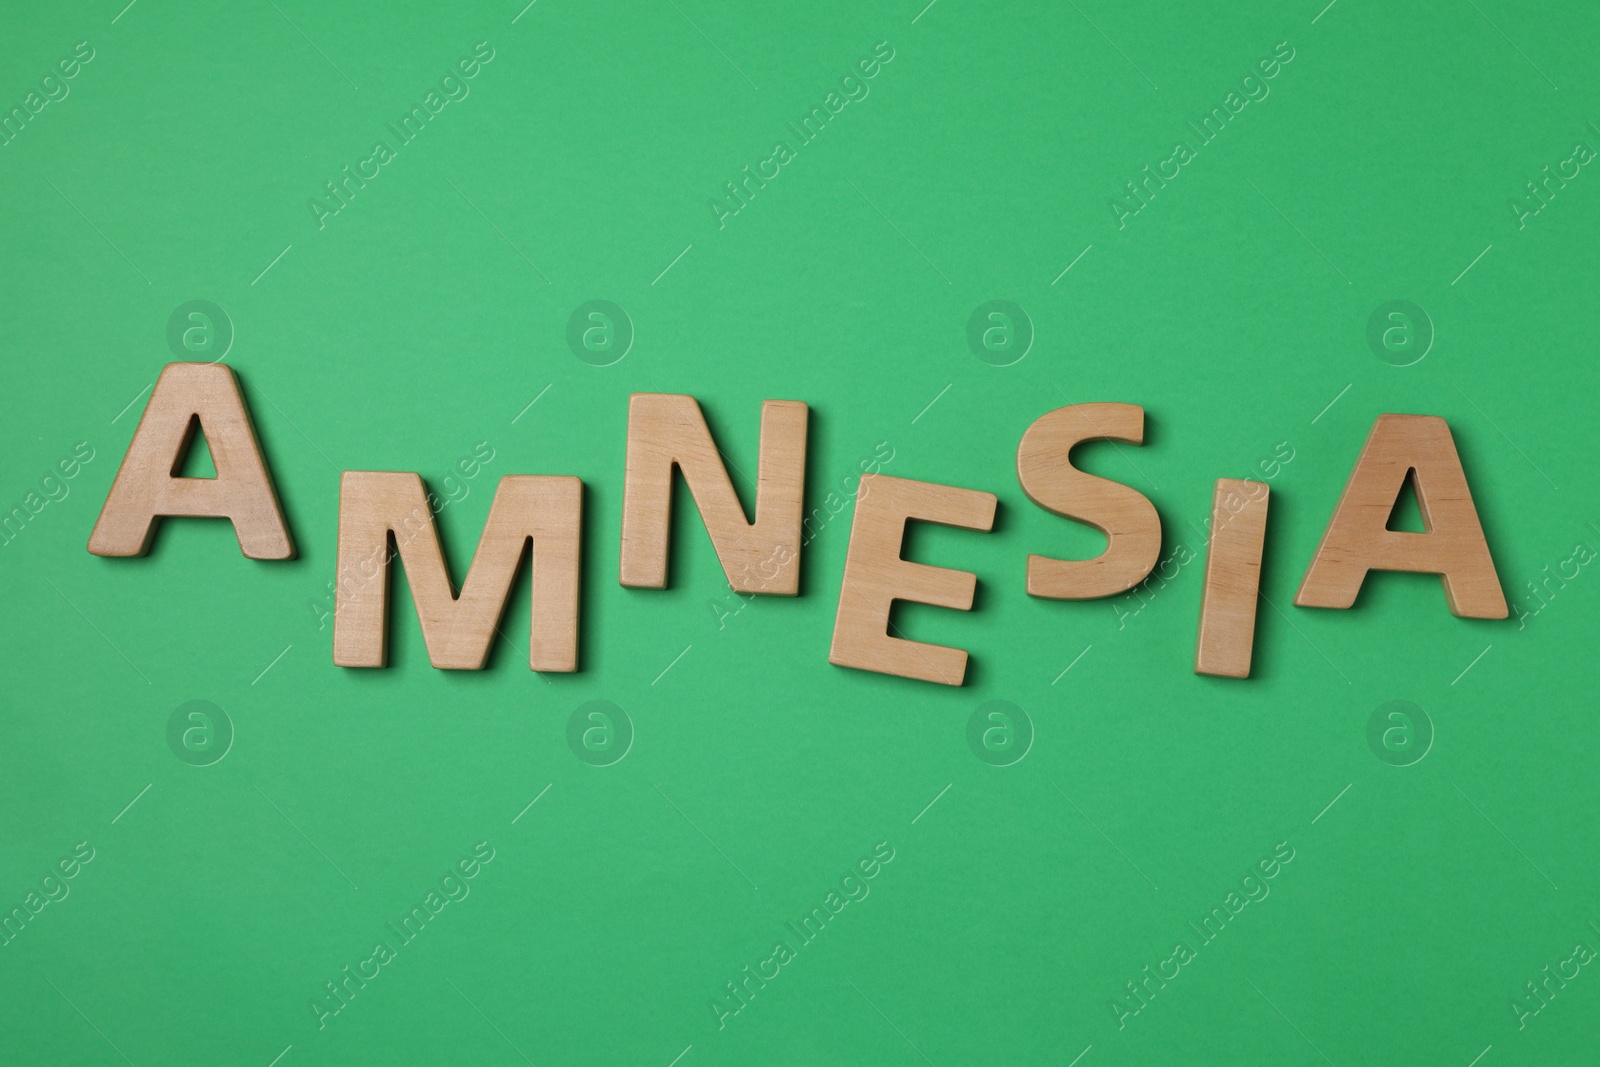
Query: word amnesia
{"type": "Point", "coordinates": [385, 515]}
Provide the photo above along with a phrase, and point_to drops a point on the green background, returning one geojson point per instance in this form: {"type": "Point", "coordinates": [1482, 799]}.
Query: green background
{"type": "Point", "coordinates": [425, 318]}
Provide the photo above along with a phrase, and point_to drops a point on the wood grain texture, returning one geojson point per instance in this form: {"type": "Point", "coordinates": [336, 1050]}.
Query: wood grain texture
{"type": "Point", "coordinates": [187, 397]}
{"type": "Point", "coordinates": [667, 432]}
{"type": "Point", "coordinates": [1227, 634]}
{"type": "Point", "coordinates": [875, 576]}
{"type": "Point", "coordinates": [458, 630]}
{"type": "Point", "coordinates": [1358, 539]}
{"type": "Point", "coordinates": [1124, 515]}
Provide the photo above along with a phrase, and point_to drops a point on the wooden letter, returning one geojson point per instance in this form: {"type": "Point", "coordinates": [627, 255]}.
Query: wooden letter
{"type": "Point", "coordinates": [1358, 538]}
{"type": "Point", "coordinates": [875, 576]}
{"type": "Point", "coordinates": [1124, 515]}
{"type": "Point", "coordinates": [373, 505]}
{"type": "Point", "coordinates": [667, 431]}
{"type": "Point", "coordinates": [189, 396]}
{"type": "Point", "coordinates": [1233, 576]}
